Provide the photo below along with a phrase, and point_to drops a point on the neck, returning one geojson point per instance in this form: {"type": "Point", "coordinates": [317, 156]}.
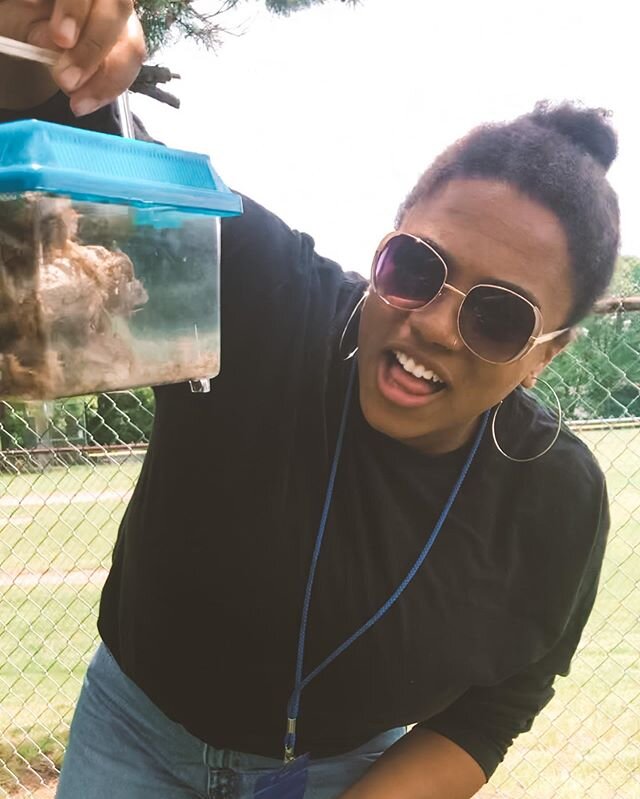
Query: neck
{"type": "Point", "coordinates": [24, 84]}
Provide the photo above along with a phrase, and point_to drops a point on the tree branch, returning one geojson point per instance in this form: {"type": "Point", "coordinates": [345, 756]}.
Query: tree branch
{"type": "Point", "coordinates": [147, 83]}
{"type": "Point", "coordinates": [615, 304]}
{"type": "Point", "coordinates": [165, 20]}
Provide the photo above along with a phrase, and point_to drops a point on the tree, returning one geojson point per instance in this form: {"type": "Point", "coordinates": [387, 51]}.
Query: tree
{"type": "Point", "coordinates": [164, 20]}
{"type": "Point", "coordinates": [123, 417]}
{"type": "Point", "coordinates": [599, 375]}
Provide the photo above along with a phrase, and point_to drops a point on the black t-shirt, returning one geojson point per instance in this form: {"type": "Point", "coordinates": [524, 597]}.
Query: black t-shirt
{"type": "Point", "coordinates": [202, 604]}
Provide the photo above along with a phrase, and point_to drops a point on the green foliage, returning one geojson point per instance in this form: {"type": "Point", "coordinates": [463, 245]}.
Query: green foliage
{"type": "Point", "coordinates": [288, 6]}
{"type": "Point", "coordinates": [166, 20]}
{"type": "Point", "coordinates": [599, 375]}
{"type": "Point", "coordinates": [123, 417]}
{"type": "Point", "coordinates": [15, 430]}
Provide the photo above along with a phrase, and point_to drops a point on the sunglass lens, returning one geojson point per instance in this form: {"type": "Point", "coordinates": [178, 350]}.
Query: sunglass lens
{"type": "Point", "coordinates": [495, 323]}
{"type": "Point", "coordinates": [408, 273]}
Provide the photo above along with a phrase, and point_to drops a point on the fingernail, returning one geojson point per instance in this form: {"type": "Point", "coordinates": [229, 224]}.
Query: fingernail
{"type": "Point", "coordinates": [84, 107]}
{"type": "Point", "coordinates": [69, 30]}
{"type": "Point", "coordinates": [70, 77]}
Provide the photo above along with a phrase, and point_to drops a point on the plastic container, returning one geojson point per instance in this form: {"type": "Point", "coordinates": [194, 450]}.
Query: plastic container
{"type": "Point", "coordinates": [109, 262]}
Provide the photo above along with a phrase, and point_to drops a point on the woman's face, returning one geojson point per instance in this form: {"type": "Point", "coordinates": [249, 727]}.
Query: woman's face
{"type": "Point", "coordinates": [492, 234]}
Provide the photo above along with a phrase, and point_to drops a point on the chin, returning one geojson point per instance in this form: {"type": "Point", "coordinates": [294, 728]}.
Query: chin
{"type": "Point", "coordinates": [389, 423]}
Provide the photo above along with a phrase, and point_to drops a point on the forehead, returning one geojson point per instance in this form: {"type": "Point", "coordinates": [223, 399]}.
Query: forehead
{"type": "Point", "coordinates": [492, 231]}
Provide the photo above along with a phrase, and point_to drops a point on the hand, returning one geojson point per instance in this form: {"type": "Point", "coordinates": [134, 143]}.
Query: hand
{"type": "Point", "coordinates": [101, 44]}
{"type": "Point", "coordinates": [422, 765]}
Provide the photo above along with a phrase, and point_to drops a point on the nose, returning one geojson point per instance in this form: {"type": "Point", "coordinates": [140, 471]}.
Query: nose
{"type": "Point", "coordinates": [437, 323]}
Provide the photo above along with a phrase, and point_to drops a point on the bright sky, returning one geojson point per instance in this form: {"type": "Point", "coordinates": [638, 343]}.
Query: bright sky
{"type": "Point", "coordinates": [328, 117]}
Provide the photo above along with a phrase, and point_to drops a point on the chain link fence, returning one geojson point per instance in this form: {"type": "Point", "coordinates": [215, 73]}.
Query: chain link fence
{"type": "Point", "coordinates": [67, 471]}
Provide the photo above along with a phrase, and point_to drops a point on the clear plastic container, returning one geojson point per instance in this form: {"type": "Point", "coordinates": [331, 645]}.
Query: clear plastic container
{"type": "Point", "coordinates": [109, 263]}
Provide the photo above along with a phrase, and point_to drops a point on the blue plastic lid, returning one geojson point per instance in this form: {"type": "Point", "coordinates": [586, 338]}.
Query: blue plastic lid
{"type": "Point", "coordinates": [98, 167]}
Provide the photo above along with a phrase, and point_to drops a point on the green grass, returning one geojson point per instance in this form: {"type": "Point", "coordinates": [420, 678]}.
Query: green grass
{"type": "Point", "coordinates": [62, 522]}
{"type": "Point", "coordinates": [585, 744]}
{"type": "Point", "coordinates": [47, 636]}
{"type": "Point", "coordinates": [71, 479]}
{"type": "Point", "coordinates": [48, 633]}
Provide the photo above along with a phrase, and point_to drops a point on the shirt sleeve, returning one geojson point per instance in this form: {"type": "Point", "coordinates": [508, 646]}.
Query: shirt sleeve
{"type": "Point", "coordinates": [485, 720]}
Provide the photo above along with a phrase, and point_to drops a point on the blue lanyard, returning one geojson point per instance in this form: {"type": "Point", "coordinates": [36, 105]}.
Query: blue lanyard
{"type": "Point", "coordinates": [300, 683]}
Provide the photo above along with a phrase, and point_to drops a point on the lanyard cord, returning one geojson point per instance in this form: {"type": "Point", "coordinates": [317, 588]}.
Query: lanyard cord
{"type": "Point", "coordinates": [300, 683]}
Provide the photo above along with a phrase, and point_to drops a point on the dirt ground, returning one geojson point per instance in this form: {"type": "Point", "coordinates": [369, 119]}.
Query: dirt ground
{"type": "Point", "coordinates": [34, 792]}
{"type": "Point", "coordinates": [47, 792]}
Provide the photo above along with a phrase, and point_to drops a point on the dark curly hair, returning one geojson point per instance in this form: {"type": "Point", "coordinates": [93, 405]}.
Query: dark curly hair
{"type": "Point", "coordinates": [557, 156]}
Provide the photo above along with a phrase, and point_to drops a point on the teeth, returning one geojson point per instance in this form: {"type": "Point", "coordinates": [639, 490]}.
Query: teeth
{"type": "Point", "coordinates": [416, 369]}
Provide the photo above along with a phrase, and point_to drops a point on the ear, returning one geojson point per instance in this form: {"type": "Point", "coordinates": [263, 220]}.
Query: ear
{"type": "Point", "coordinates": [549, 352]}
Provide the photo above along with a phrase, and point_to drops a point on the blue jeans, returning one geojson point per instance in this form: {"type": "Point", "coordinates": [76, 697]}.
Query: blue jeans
{"type": "Point", "coordinates": [122, 746]}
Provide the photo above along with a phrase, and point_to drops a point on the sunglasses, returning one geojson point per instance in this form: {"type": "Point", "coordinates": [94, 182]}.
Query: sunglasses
{"type": "Point", "coordinates": [497, 324]}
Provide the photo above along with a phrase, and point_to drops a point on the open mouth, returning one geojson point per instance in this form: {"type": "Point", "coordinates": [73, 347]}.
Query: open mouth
{"type": "Point", "coordinates": [407, 382]}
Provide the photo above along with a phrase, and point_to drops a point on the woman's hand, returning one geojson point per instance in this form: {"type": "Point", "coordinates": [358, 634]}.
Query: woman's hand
{"type": "Point", "coordinates": [422, 765]}
{"type": "Point", "coordinates": [100, 41]}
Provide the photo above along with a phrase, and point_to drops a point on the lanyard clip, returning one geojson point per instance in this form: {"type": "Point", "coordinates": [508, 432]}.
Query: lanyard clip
{"type": "Point", "coordinates": [290, 741]}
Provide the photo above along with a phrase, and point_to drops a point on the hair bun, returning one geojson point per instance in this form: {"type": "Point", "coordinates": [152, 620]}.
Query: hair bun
{"type": "Point", "coordinates": [588, 128]}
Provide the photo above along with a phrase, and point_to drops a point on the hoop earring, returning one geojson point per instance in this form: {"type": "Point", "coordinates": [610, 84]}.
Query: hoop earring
{"type": "Point", "coordinates": [553, 440]}
{"type": "Point", "coordinates": [356, 308]}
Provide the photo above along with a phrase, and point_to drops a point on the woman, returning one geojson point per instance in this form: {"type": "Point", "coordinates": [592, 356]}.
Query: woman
{"type": "Point", "coordinates": [356, 544]}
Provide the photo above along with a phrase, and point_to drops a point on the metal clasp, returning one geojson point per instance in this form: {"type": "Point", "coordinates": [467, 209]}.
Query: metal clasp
{"type": "Point", "coordinates": [289, 747]}
{"type": "Point", "coordinates": [200, 386]}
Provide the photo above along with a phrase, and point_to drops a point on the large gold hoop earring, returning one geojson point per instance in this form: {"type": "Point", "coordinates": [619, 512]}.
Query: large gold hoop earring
{"type": "Point", "coordinates": [553, 440]}
{"type": "Point", "coordinates": [357, 308]}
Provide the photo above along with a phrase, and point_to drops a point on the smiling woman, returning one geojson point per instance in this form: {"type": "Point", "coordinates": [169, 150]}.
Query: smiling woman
{"type": "Point", "coordinates": [529, 226]}
{"type": "Point", "coordinates": [477, 337]}
{"type": "Point", "coordinates": [320, 553]}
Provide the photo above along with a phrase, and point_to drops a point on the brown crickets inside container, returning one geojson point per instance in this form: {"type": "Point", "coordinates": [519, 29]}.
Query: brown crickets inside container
{"type": "Point", "coordinates": [109, 262]}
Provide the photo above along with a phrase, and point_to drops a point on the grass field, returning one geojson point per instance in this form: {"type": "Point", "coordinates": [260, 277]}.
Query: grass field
{"type": "Point", "coordinates": [585, 744]}
{"type": "Point", "coordinates": [64, 519]}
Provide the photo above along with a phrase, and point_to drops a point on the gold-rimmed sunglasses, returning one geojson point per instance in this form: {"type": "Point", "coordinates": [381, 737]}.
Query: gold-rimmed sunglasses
{"type": "Point", "coordinates": [496, 323]}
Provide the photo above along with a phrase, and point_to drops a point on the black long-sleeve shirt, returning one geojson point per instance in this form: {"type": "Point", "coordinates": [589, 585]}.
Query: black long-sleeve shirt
{"type": "Point", "coordinates": [202, 605]}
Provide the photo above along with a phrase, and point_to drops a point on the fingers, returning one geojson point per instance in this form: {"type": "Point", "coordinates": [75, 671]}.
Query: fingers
{"type": "Point", "coordinates": [40, 34]}
{"type": "Point", "coordinates": [34, 4]}
{"type": "Point", "coordinates": [17, 16]}
{"type": "Point", "coordinates": [103, 24]}
{"type": "Point", "coordinates": [115, 74]}
{"type": "Point", "coordinates": [31, 4]}
{"type": "Point", "coordinates": [102, 47]}
{"type": "Point", "coordinates": [68, 19]}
